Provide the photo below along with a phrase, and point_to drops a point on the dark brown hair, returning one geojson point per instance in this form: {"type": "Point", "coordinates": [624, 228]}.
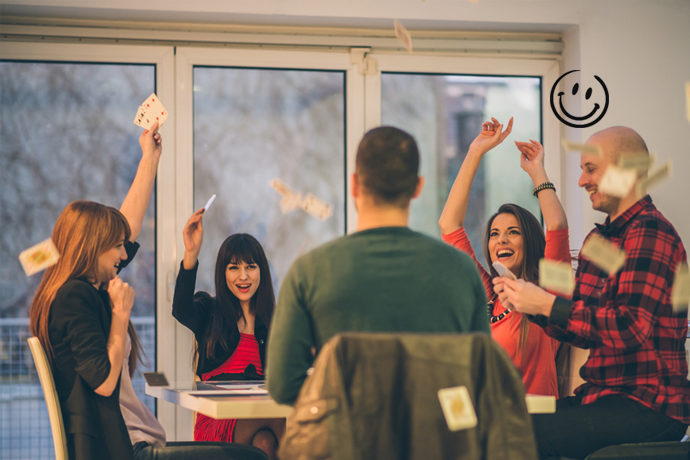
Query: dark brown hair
{"type": "Point", "coordinates": [387, 166]}
{"type": "Point", "coordinates": [238, 248]}
{"type": "Point", "coordinates": [83, 232]}
{"type": "Point", "coordinates": [534, 244]}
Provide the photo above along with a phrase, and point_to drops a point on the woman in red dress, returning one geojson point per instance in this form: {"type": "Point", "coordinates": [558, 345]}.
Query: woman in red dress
{"type": "Point", "coordinates": [231, 328]}
{"type": "Point", "coordinates": [514, 237]}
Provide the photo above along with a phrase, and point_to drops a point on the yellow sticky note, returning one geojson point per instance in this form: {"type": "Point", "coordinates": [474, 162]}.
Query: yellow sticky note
{"type": "Point", "coordinates": [654, 178]}
{"type": "Point", "coordinates": [603, 254]}
{"type": "Point", "coordinates": [556, 276]}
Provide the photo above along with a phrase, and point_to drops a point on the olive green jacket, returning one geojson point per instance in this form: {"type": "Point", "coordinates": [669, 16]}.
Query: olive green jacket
{"type": "Point", "coordinates": [374, 396]}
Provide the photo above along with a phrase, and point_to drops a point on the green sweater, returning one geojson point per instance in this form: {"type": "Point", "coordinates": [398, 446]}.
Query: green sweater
{"type": "Point", "coordinates": [389, 279]}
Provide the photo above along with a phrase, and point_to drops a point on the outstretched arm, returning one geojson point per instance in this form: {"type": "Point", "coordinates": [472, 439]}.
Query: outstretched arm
{"type": "Point", "coordinates": [532, 161]}
{"type": "Point", "coordinates": [453, 215]}
{"type": "Point", "coordinates": [137, 199]}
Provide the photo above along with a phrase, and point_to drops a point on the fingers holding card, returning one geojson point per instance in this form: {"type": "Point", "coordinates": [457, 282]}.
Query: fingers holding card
{"type": "Point", "coordinates": [150, 112]}
{"type": "Point", "coordinates": [39, 257]}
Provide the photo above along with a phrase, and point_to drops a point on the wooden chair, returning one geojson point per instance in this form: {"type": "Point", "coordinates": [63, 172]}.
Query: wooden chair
{"type": "Point", "coordinates": [45, 375]}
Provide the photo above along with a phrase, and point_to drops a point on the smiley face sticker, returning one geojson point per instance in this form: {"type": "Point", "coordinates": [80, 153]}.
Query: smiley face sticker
{"type": "Point", "coordinates": [579, 121]}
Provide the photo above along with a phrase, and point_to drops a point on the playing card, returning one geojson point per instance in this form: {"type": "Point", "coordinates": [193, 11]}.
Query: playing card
{"type": "Point", "coordinates": [574, 146]}
{"type": "Point", "coordinates": [317, 207]}
{"type": "Point", "coordinates": [680, 293]}
{"type": "Point", "coordinates": [603, 254]}
{"type": "Point", "coordinates": [655, 178]}
{"type": "Point", "coordinates": [280, 187]}
{"type": "Point", "coordinates": [639, 162]}
{"type": "Point", "coordinates": [151, 111]}
{"type": "Point", "coordinates": [209, 202]}
{"type": "Point", "coordinates": [403, 36]}
{"type": "Point", "coordinates": [502, 270]}
{"type": "Point", "coordinates": [556, 276]}
{"type": "Point", "coordinates": [617, 182]}
{"type": "Point", "coordinates": [457, 408]}
{"type": "Point", "coordinates": [291, 202]}
{"type": "Point", "coordinates": [39, 257]}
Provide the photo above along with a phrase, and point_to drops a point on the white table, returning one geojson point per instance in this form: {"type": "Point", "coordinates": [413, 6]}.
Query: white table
{"type": "Point", "coordinates": [262, 406]}
{"type": "Point", "coordinates": [219, 407]}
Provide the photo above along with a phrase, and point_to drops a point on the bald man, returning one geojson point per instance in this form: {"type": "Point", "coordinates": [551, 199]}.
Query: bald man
{"type": "Point", "coordinates": [636, 388]}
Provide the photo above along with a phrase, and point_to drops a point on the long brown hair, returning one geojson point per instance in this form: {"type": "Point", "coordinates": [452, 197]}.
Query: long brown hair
{"type": "Point", "coordinates": [534, 245]}
{"type": "Point", "coordinates": [83, 232]}
{"type": "Point", "coordinates": [238, 248]}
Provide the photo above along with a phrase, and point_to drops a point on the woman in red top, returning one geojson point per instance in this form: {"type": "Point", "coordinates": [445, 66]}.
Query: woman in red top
{"type": "Point", "coordinates": [514, 237]}
{"type": "Point", "coordinates": [230, 329]}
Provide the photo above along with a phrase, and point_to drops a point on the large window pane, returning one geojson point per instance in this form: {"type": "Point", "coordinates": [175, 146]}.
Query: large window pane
{"type": "Point", "coordinates": [66, 133]}
{"type": "Point", "coordinates": [444, 113]}
{"type": "Point", "coordinates": [253, 125]}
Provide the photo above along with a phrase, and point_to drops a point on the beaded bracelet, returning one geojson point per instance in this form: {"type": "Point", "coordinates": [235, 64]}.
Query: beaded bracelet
{"type": "Point", "coordinates": [544, 186]}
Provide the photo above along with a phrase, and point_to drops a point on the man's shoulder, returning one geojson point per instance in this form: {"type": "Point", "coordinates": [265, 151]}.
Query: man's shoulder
{"type": "Point", "coordinates": [650, 218]}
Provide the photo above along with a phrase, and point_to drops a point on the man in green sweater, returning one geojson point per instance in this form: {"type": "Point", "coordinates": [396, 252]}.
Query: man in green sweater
{"type": "Point", "coordinates": [382, 278]}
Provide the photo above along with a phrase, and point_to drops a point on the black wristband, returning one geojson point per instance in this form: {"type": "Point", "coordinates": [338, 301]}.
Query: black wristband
{"type": "Point", "coordinates": [544, 186]}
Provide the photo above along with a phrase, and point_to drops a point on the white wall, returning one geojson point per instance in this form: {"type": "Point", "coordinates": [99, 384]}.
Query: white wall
{"type": "Point", "coordinates": [640, 48]}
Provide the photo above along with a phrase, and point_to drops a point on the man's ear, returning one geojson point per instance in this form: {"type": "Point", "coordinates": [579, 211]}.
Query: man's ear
{"type": "Point", "coordinates": [354, 186]}
{"type": "Point", "coordinates": [420, 185]}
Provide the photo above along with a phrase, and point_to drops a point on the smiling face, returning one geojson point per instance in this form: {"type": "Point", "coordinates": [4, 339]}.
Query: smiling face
{"type": "Point", "coordinates": [506, 244]}
{"type": "Point", "coordinates": [576, 121]}
{"type": "Point", "coordinates": [593, 169]}
{"type": "Point", "coordinates": [109, 262]}
{"type": "Point", "coordinates": [243, 280]}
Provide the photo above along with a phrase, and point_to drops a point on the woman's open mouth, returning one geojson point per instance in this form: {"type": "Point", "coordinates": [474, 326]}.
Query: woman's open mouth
{"type": "Point", "coordinates": [503, 254]}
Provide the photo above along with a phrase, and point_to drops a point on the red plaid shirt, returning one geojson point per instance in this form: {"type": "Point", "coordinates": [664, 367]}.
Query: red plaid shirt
{"type": "Point", "coordinates": [636, 342]}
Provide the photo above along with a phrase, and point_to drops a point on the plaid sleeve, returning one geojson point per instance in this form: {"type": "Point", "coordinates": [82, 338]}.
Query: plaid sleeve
{"type": "Point", "coordinates": [629, 300]}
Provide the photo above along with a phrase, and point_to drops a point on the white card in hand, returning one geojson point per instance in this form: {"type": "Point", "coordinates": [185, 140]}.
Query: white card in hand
{"type": "Point", "coordinates": [617, 182]}
{"type": "Point", "coordinates": [457, 408]}
{"type": "Point", "coordinates": [317, 207]}
{"type": "Point", "coordinates": [502, 270]}
{"type": "Point", "coordinates": [403, 36]}
{"type": "Point", "coordinates": [209, 202]}
{"type": "Point", "coordinates": [151, 111]}
{"type": "Point", "coordinates": [556, 276]}
{"type": "Point", "coordinates": [680, 293]}
{"type": "Point", "coordinates": [39, 257]}
{"type": "Point", "coordinates": [603, 254]}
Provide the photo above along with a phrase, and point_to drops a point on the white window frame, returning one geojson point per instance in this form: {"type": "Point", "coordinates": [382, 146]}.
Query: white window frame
{"type": "Point", "coordinates": [186, 59]}
{"type": "Point", "coordinates": [163, 58]}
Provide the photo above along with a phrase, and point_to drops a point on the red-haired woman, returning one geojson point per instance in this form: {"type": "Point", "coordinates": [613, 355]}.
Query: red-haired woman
{"type": "Point", "coordinates": [514, 237]}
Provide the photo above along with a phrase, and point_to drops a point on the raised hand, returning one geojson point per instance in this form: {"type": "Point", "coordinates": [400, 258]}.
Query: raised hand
{"type": "Point", "coordinates": [121, 297]}
{"type": "Point", "coordinates": [193, 237]}
{"type": "Point", "coordinates": [151, 142]}
{"type": "Point", "coordinates": [492, 135]}
{"type": "Point", "coordinates": [531, 157]}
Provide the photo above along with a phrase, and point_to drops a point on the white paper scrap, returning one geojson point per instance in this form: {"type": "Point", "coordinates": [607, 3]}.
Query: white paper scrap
{"type": "Point", "coordinates": [403, 36]}
{"type": "Point", "coordinates": [556, 276]}
{"type": "Point", "coordinates": [39, 257]}
{"type": "Point", "coordinates": [586, 148]}
{"type": "Point", "coordinates": [617, 182]}
{"type": "Point", "coordinates": [603, 254]}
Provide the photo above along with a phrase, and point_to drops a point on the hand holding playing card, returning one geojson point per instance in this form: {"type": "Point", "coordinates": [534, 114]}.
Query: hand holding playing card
{"type": "Point", "coordinates": [151, 142]}
{"type": "Point", "coordinates": [151, 111]}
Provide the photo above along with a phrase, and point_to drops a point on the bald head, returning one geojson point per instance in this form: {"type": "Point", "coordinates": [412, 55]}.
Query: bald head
{"type": "Point", "coordinates": [618, 141]}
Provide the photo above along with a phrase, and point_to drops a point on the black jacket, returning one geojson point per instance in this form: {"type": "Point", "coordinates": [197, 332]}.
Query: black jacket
{"type": "Point", "coordinates": [196, 311]}
{"type": "Point", "coordinates": [78, 328]}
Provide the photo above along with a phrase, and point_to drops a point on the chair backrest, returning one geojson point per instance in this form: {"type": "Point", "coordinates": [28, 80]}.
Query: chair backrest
{"type": "Point", "coordinates": [45, 375]}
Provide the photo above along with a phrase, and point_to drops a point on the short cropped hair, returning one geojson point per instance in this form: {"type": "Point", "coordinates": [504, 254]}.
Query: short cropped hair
{"type": "Point", "coordinates": [387, 166]}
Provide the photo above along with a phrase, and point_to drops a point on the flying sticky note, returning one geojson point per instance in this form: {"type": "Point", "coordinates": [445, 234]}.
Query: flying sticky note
{"type": "Point", "coordinates": [680, 293]}
{"type": "Point", "coordinates": [654, 178]}
{"type": "Point", "coordinates": [603, 254]}
{"type": "Point", "coordinates": [617, 182]}
{"type": "Point", "coordinates": [638, 162]}
{"type": "Point", "coordinates": [317, 207]}
{"type": "Point", "coordinates": [403, 36]}
{"type": "Point", "coordinates": [280, 187]}
{"type": "Point", "coordinates": [291, 202]}
{"type": "Point", "coordinates": [586, 148]}
{"type": "Point", "coordinates": [556, 276]}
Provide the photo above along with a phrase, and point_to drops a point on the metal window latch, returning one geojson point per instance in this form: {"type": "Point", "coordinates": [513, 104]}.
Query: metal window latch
{"type": "Point", "coordinates": [365, 65]}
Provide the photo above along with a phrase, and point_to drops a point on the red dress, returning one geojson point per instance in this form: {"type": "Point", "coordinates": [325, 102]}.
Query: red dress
{"type": "Point", "coordinates": [247, 352]}
{"type": "Point", "coordinates": [538, 365]}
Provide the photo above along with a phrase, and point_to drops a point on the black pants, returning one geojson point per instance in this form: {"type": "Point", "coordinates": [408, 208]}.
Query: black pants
{"type": "Point", "coordinates": [577, 430]}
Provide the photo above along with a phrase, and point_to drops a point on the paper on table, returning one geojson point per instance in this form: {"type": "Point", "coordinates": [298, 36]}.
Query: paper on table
{"type": "Point", "coordinates": [680, 293]}
{"type": "Point", "coordinates": [556, 276]}
{"type": "Point", "coordinates": [457, 408]}
{"type": "Point", "coordinates": [654, 178]}
{"type": "Point", "coordinates": [317, 207]}
{"type": "Point", "coordinates": [39, 257]}
{"type": "Point", "coordinates": [603, 254]}
{"type": "Point", "coordinates": [586, 148]}
{"type": "Point", "coordinates": [617, 182]}
{"type": "Point", "coordinates": [403, 36]}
